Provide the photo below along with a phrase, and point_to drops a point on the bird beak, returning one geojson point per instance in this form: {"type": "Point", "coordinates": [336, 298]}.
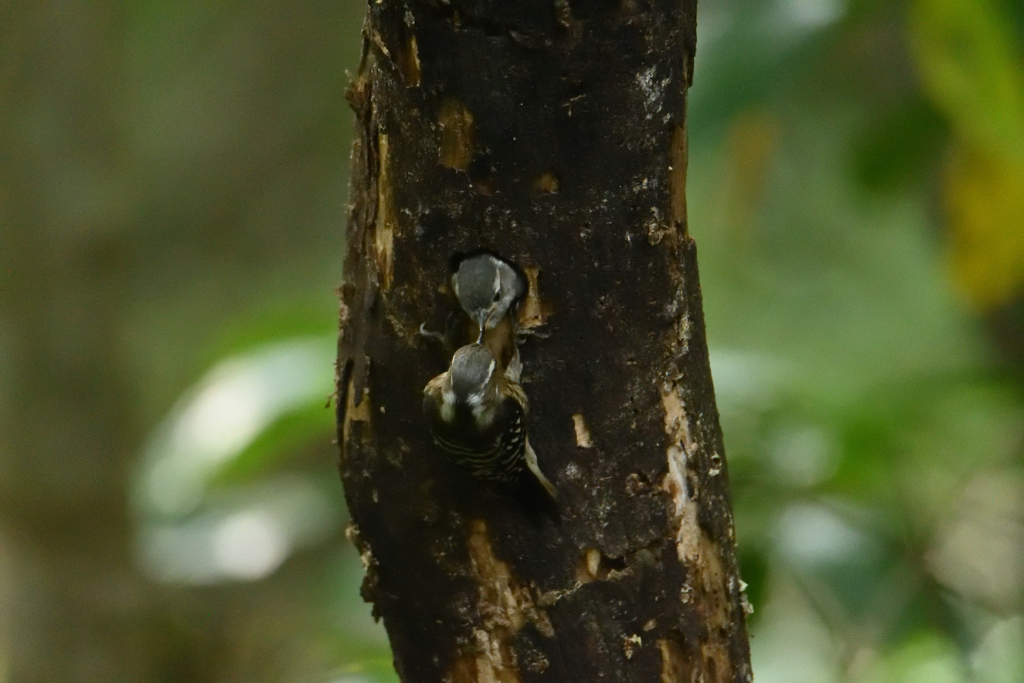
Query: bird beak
{"type": "Point", "coordinates": [482, 323]}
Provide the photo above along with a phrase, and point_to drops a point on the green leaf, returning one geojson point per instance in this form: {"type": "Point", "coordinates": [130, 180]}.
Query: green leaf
{"type": "Point", "coordinates": [239, 418]}
{"type": "Point", "coordinates": [964, 51]}
{"type": "Point", "coordinates": [900, 147]}
{"type": "Point", "coordinates": [927, 658]}
{"type": "Point", "coordinates": [275, 444]}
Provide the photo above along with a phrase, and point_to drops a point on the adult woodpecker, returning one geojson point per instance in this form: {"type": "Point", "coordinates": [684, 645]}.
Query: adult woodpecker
{"type": "Point", "coordinates": [477, 416]}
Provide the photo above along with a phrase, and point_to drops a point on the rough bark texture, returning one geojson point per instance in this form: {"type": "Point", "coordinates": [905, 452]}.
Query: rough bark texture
{"type": "Point", "coordinates": [553, 133]}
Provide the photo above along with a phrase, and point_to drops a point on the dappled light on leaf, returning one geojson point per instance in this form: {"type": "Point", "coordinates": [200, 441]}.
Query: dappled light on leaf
{"type": "Point", "coordinates": [244, 536]}
{"type": "Point", "coordinates": [226, 412]}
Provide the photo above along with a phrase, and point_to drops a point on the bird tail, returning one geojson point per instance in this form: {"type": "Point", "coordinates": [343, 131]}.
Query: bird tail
{"type": "Point", "coordinates": [533, 491]}
{"type": "Point", "coordinates": [531, 464]}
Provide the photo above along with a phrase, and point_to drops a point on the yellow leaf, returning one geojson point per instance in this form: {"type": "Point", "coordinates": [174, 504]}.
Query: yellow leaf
{"type": "Point", "coordinates": [984, 202]}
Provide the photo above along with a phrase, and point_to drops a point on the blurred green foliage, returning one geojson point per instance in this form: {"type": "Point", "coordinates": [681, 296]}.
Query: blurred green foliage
{"type": "Point", "coordinates": [856, 217]}
{"type": "Point", "coordinates": [856, 189]}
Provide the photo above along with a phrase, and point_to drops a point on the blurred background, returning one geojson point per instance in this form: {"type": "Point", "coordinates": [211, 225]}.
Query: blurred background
{"type": "Point", "coordinates": [172, 209]}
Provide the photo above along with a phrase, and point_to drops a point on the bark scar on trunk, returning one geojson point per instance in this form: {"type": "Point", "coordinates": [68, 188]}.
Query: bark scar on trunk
{"type": "Point", "coordinates": [506, 605]}
{"type": "Point", "coordinates": [579, 424]}
{"type": "Point", "coordinates": [697, 551]}
{"type": "Point", "coordinates": [677, 177]}
{"type": "Point", "coordinates": [678, 483]}
{"type": "Point", "coordinates": [386, 223]}
{"type": "Point", "coordinates": [675, 666]}
{"type": "Point", "coordinates": [357, 409]}
{"type": "Point", "coordinates": [456, 134]}
{"type": "Point", "coordinates": [533, 312]}
{"type": "Point", "coordinates": [411, 63]}
{"type": "Point", "coordinates": [546, 183]}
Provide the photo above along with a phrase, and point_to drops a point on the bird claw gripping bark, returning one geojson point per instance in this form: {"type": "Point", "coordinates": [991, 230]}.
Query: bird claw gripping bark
{"type": "Point", "coordinates": [433, 336]}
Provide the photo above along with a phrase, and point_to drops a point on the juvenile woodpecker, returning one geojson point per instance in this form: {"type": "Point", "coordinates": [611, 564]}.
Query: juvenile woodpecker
{"type": "Point", "coordinates": [477, 416]}
{"type": "Point", "coordinates": [489, 289]}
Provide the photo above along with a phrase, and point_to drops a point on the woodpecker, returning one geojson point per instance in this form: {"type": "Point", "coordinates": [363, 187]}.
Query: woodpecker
{"type": "Point", "coordinates": [477, 416]}
{"type": "Point", "coordinates": [490, 290]}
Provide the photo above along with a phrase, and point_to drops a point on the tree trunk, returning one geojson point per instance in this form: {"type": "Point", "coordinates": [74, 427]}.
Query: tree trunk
{"type": "Point", "coordinates": [553, 133]}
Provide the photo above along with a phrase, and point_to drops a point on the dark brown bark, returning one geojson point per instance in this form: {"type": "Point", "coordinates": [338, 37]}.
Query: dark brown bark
{"type": "Point", "coordinates": [553, 133]}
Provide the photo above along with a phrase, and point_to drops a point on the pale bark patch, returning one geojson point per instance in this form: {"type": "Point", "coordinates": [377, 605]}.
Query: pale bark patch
{"type": "Point", "coordinates": [354, 412]}
{"type": "Point", "coordinates": [583, 439]}
{"type": "Point", "coordinates": [532, 312]}
{"type": "Point", "coordinates": [677, 483]}
{"type": "Point", "coordinates": [457, 134]}
{"type": "Point", "coordinates": [411, 63]}
{"type": "Point", "coordinates": [506, 605]}
{"type": "Point", "coordinates": [386, 223]}
{"type": "Point", "coordinates": [546, 183]}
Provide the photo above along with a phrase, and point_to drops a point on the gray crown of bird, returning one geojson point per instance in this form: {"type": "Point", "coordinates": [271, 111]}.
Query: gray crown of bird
{"type": "Point", "coordinates": [488, 288]}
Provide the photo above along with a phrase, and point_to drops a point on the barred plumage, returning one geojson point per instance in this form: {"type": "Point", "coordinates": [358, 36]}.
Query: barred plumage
{"type": "Point", "coordinates": [477, 416]}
